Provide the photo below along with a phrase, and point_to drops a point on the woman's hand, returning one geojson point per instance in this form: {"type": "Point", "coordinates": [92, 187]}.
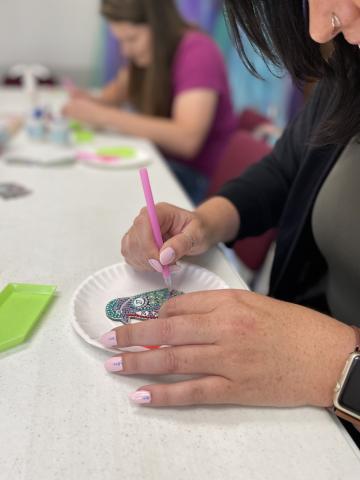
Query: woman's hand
{"type": "Point", "coordinates": [88, 111]}
{"type": "Point", "coordinates": [184, 233]}
{"type": "Point", "coordinates": [77, 93]}
{"type": "Point", "coordinates": [249, 350]}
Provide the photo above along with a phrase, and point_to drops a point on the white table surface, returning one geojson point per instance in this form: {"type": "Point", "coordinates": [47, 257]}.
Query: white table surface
{"type": "Point", "coordinates": [62, 416]}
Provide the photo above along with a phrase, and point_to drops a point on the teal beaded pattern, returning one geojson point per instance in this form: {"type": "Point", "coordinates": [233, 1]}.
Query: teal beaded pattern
{"type": "Point", "coordinates": [143, 306]}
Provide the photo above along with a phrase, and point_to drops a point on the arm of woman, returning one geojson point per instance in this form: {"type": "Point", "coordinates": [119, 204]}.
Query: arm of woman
{"type": "Point", "coordinates": [115, 93]}
{"type": "Point", "coordinates": [182, 135]}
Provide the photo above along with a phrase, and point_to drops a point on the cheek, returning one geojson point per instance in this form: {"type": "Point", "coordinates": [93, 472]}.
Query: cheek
{"type": "Point", "coordinates": [141, 49]}
{"type": "Point", "coordinates": [147, 45]}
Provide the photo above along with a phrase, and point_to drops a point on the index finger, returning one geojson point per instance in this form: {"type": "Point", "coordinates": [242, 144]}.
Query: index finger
{"type": "Point", "coordinates": [138, 244]}
{"type": "Point", "coordinates": [193, 303]}
{"type": "Point", "coordinates": [183, 330]}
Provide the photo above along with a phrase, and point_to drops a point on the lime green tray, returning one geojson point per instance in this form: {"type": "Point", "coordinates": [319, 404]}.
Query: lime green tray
{"type": "Point", "coordinates": [21, 307]}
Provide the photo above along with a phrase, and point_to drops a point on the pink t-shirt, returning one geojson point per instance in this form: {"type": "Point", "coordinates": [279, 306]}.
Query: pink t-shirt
{"type": "Point", "coordinates": [198, 63]}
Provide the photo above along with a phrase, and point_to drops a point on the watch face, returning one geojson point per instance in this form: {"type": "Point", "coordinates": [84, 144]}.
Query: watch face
{"type": "Point", "coordinates": [350, 395]}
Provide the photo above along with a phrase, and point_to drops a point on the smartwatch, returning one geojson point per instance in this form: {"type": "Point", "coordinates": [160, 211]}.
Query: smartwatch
{"type": "Point", "coordinates": [347, 389]}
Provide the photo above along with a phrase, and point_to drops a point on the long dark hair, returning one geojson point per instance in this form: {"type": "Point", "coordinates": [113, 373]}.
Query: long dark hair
{"type": "Point", "coordinates": [150, 87]}
{"type": "Point", "coordinates": [279, 32]}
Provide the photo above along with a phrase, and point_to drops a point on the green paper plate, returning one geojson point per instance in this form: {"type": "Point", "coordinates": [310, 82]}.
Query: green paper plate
{"type": "Point", "coordinates": [21, 307]}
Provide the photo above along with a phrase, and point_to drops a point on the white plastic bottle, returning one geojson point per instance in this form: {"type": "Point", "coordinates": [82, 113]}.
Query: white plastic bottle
{"type": "Point", "coordinates": [59, 131]}
{"type": "Point", "coordinates": [35, 125]}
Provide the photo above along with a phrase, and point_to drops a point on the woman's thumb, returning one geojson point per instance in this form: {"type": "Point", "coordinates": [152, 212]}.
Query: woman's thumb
{"type": "Point", "coordinates": [177, 246]}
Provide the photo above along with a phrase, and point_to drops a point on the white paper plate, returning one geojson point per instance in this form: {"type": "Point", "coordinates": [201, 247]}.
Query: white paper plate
{"type": "Point", "coordinates": [140, 158]}
{"type": "Point", "coordinates": [91, 297]}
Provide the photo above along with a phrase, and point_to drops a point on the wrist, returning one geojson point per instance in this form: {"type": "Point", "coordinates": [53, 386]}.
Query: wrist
{"type": "Point", "coordinates": [346, 393]}
{"type": "Point", "coordinates": [220, 220]}
{"type": "Point", "coordinates": [107, 116]}
{"type": "Point", "coordinates": [336, 358]}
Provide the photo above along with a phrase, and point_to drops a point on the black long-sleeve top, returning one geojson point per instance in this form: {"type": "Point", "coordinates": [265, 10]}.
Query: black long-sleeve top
{"type": "Point", "coordinates": [280, 191]}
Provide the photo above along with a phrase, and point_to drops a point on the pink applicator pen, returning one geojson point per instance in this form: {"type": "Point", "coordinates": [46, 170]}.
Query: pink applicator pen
{"type": "Point", "coordinates": [154, 222]}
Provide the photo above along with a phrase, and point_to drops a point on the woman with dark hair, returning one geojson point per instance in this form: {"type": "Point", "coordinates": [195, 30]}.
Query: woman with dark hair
{"type": "Point", "coordinates": [177, 83]}
{"type": "Point", "coordinates": [288, 348]}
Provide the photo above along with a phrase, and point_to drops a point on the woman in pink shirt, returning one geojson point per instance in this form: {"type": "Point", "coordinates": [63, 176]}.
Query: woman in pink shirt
{"type": "Point", "coordinates": [177, 83]}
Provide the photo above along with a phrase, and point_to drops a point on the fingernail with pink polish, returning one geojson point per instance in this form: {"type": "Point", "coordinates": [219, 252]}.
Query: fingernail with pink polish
{"type": "Point", "coordinates": [140, 397]}
{"type": "Point", "coordinates": [114, 364]}
{"type": "Point", "coordinates": [109, 339]}
{"type": "Point", "coordinates": [167, 256]}
{"type": "Point", "coordinates": [155, 265]}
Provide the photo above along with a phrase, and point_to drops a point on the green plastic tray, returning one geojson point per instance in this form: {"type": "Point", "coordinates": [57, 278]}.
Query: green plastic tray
{"type": "Point", "coordinates": [21, 307]}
